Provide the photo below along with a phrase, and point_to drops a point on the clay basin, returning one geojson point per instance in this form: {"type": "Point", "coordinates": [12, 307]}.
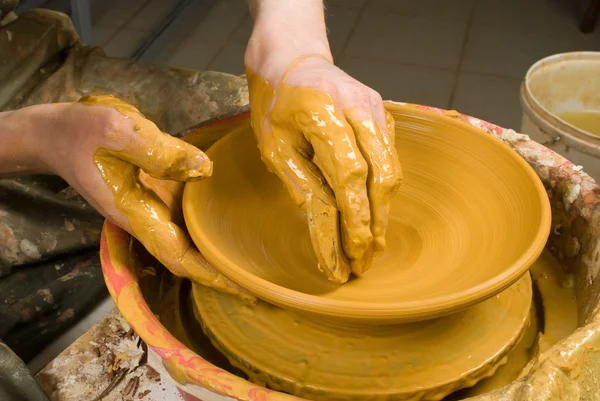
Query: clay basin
{"type": "Point", "coordinates": [569, 367]}
{"type": "Point", "coordinates": [469, 220]}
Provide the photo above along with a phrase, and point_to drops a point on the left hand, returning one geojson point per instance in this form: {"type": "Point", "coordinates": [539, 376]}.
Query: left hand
{"type": "Point", "coordinates": [132, 173]}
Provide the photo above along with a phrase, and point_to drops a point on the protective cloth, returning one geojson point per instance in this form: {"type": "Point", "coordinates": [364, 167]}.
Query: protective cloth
{"type": "Point", "coordinates": [50, 274]}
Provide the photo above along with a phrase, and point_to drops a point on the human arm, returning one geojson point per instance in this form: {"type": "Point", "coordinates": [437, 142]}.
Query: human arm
{"type": "Point", "coordinates": [123, 165]}
{"type": "Point", "coordinates": [19, 151]}
{"type": "Point", "coordinates": [326, 135]}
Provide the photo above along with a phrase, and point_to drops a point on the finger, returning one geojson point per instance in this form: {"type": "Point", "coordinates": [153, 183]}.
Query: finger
{"type": "Point", "coordinates": [163, 156]}
{"type": "Point", "coordinates": [385, 174]}
{"type": "Point", "coordinates": [139, 141]}
{"type": "Point", "coordinates": [338, 157]}
{"type": "Point", "coordinates": [308, 188]}
{"type": "Point", "coordinates": [389, 135]}
{"type": "Point", "coordinates": [149, 222]}
{"type": "Point", "coordinates": [324, 228]}
{"type": "Point", "coordinates": [169, 192]}
{"type": "Point", "coordinates": [359, 266]}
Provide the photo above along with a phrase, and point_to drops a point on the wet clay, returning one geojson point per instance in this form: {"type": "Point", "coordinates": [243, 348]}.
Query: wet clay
{"type": "Point", "coordinates": [469, 219]}
{"type": "Point", "coordinates": [589, 121]}
{"type": "Point", "coordinates": [148, 217]}
{"type": "Point", "coordinates": [553, 318]}
{"type": "Point", "coordinates": [319, 150]}
{"type": "Point", "coordinates": [318, 359]}
{"type": "Point", "coordinates": [168, 299]}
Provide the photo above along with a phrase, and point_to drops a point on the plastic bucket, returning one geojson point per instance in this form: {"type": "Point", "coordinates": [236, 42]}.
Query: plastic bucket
{"type": "Point", "coordinates": [561, 83]}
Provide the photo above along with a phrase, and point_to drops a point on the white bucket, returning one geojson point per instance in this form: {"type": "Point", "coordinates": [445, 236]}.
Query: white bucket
{"type": "Point", "coordinates": [556, 84]}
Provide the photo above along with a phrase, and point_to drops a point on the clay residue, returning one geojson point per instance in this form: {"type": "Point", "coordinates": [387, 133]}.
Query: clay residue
{"type": "Point", "coordinates": [319, 359]}
{"type": "Point", "coordinates": [107, 363]}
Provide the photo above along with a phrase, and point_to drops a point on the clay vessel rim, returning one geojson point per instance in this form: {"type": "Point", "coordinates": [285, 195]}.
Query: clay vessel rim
{"type": "Point", "coordinates": [528, 96]}
{"type": "Point", "coordinates": [398, 312]}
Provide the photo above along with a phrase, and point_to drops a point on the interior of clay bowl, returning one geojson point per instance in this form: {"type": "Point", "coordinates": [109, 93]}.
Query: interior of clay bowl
{"type": "Point", "coordinates": [468, 221]}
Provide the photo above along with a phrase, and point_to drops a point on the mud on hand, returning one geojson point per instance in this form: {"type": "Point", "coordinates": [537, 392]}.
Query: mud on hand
{"type": "Point", "coordinates": [133, 174]}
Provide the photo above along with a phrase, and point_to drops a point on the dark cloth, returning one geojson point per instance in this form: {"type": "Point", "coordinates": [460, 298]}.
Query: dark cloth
{"type": "Point", "coordinates": [50, 274]}
{"type": "Point", "coordinates": [16, 384]}
{"type": "Point", "coordinates": [40, 301]}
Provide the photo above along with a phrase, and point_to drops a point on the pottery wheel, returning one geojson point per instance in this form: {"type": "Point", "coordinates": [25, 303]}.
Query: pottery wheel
{"type": "Point", "coordinates": [470, 218]}
{"type": "Point", "coordinates": [319, 359]}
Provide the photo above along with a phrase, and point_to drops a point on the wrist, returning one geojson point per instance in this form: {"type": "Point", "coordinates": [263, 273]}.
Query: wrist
{"type": "Point", "coordinates": [21, 151]}
{"type": "Point", "coordinates": [285, 30]}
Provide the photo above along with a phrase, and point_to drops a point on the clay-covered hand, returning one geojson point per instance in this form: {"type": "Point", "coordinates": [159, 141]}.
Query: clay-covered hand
{"type": "Point", "coordinates": [330, 140]}
{"type": "Point", "coordinates": [129, 170]}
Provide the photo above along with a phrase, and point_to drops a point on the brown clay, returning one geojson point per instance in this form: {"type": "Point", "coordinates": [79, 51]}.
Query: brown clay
{"type": "Point", "coordinates": [168, 298]}
{"type": "Point", "coordinates": [316, 359]}
{"type": "Point", "coordinates": [469, 220]}
{"type": "Point", "coordinates": [589, 121]}
{"type": "Point", "coordinates": [553, 318]}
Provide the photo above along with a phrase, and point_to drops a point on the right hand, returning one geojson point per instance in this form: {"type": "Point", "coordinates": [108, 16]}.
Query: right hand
{"type": "Point", "coordinates": [331, 142]}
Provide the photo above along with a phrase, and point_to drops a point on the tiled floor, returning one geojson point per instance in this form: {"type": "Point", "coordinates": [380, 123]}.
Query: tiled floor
{"type": "Point", "coordinates": [464, 54]}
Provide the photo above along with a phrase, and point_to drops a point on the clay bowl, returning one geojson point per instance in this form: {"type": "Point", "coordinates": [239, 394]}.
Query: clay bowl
{"type": "Point", "coordinates": [469, 220]}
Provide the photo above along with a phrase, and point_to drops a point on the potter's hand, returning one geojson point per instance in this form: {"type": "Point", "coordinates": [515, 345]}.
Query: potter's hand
{"type": "Point", "coordinates": [326, 135]}
{"type": "Point", "coordinates": [99, 146]}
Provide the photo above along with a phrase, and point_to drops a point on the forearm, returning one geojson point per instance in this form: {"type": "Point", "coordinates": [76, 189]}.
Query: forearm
{"type": "Point", "coordinates": [288, 29]}
{"type": "Point", "coordinates": [19, 147]}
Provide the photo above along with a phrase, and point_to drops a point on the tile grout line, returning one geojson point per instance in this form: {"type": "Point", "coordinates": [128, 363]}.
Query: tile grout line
{"type": "Point", "coordinates": [463, 50]}
{"type": "Point", "coordinates": [400, 63]}
{"type": "Point", "coordinates": [228, 41]}
{"type": "Point", "coordinates": [361, 13]}
{"type": "Point", "coordinates": [122, 27]}
{"type": "Point", "coordinates": [492, 75]}
{"type": "Point", "coordinates": [429, 67]}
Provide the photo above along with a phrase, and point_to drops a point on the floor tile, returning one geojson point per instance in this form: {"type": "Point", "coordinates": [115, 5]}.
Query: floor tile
{"type": "Point", "coordinates": [340, 20]}
{"type": "Point", "coordinates": [243, 32]}
{"type": "Point", "coordinates": [223, 20]}
{"type": "Point", "coordinates": [384, 36]}
{"type": "Point", "coordinates": [153, 13]}
{"type": "Point", "coordinates": [349, 4]}
{"type": "Point", "coordinates": [494, 99]}
{"type": "Point", "coordinates": [528, 15]}
{"type": "Point", "coordinates": [102, 34]}
{"type": "Point", "coordinates": [454, 11]}
{"type": "Point", "coordinates": [191, 17]}
{"type": "Point", "coordinates": [115, 12]}
{"type": "Point", "coordinates": [168, 52]}
{"type": "Point", "coordinates": [403, 83]}
{"type": "Point", "coordinates": [124, 43]}
{"type": "Point", "coordinates": [230, 59]}
{"type": "Point", "coordinates": [194, 54]}
{"type": "Point", "coordinates": [511, 53]}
